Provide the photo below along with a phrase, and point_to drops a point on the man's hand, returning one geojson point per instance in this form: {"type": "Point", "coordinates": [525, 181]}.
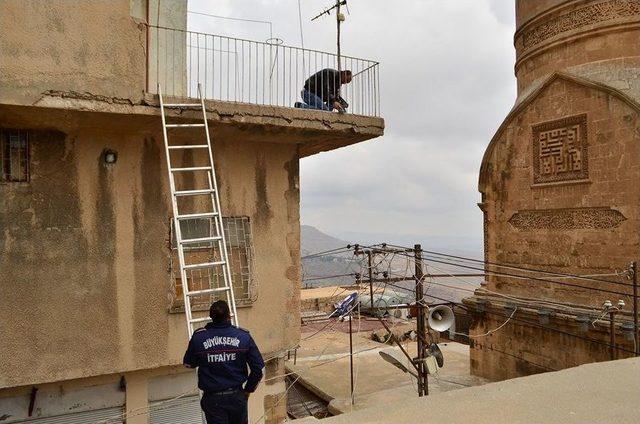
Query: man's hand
{"type": "Point", "coordinates": [337, 106]}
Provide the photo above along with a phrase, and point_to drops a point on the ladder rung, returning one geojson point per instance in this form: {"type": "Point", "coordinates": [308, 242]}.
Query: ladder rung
{"type": "Point", "coordinates": [189, 146]}
{"type": "Point", "coordinates": [198, 105]}
{"type": "Point", "coordinates": [207, 291]}
{"type": "Point", "coordinates": [204, 265]}
{"type": "Point", "coordinates": [200, 240]}
{"type": "Point", "coordinates": [194, 192]}
{"type": "Point", "coordinates": [183, 125]}
{"type": "Point", "coordinates": [198, 215]}
{"type": "Point", "coordinates": [191, 168]}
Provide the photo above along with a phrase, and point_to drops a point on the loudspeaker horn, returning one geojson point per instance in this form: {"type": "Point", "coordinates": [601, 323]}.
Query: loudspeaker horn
{"type": "Point", "coordinates": [441, 318]}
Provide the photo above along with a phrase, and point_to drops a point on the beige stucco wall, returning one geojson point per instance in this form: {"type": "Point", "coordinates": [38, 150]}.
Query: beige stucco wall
{"type": "Point", "coordinates": [84, 254]}
{"type": "Point", "coordinates": [94, 47]}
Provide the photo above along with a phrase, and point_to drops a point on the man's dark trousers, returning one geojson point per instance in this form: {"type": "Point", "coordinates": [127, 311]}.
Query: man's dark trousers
{"type": "Point", "coordinates": [226, 408]}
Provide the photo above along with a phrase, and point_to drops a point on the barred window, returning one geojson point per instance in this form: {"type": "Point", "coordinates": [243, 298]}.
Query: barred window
{"type": "Point", "coordinates": [237, 231]}
{"type": "Point", "coordinates": [14, 155]}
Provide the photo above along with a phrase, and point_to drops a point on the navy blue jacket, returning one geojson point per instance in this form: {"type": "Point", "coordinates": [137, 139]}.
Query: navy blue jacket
{"type": "Point", "coordinates": [222, 352]}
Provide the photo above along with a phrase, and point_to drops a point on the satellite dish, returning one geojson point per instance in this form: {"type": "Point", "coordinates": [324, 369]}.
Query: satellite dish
{"type": "Point", "coordinates": [441, 318]}
{"type": "Point", "coordinates": [396, 359]}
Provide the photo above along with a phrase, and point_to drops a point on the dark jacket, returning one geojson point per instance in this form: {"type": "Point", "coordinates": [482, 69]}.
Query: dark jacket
{"type": "Point", "coordinates": [222, 353]}
{"type": "Point", "coordinates": [325, 84]}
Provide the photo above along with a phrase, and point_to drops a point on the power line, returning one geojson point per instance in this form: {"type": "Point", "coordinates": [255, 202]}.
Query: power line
{"type": "Point", "coordinates": [520, 268]}
{"type": "Point", "coordinates": [327, 277]}
{"type": "Point", "coordinates": [236, 19]}
{"type": "Point", "coordinates": [505, 274]}
{"type": "Point", "coordinates": [327, 252]}
{"type": "Point", "coordinates": [304, 67]}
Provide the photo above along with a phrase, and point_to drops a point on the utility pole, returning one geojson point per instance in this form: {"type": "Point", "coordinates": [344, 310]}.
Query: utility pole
{"type": "Point", "coordinates": [423, 383]}
{"type": "Point", "coordinates": [351, 352]}
{"type": "Point", "coordinates": [612, 334]}
{"type": "Point", "coordinates": [417, 362]}
{"type": "Point", "coordinates": [370, 277]}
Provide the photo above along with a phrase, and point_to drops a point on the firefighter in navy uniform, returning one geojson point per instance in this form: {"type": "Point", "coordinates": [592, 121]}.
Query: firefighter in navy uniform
{"type": "Point", "coordinates": [222, 354]}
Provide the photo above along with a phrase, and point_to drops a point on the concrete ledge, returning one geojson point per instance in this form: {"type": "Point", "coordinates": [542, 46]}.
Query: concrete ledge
{"type": "Point", "coordinates": [315, 131]}
{"type": "Point", "coordinates": [600, 392]}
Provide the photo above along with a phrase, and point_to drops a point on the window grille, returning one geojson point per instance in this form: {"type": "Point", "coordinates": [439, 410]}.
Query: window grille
{"type": "Point", "coordinates": [237, 231]}
{"type": "Point", "coordinates": [14, 155]}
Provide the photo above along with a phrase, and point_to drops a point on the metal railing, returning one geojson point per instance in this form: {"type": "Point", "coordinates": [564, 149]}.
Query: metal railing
{"type": "Point", "coordinates": [244, 71]}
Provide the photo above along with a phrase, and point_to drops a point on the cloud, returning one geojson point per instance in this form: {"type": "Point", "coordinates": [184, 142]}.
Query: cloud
{"type": "Point", "coordinates": [446, 84]}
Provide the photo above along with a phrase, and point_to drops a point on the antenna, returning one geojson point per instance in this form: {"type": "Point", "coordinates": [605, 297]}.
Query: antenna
{"type": "Point", "coordinates": [339, 20]}
{"type": "Point", "coordinates": [328, 11]}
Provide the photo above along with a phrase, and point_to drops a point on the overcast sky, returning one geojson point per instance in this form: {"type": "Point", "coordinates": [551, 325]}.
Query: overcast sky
{"type": "Point", "coordinates": [446, 84]}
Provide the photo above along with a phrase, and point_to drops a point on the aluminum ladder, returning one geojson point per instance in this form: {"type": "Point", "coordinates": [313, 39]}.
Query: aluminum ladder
{"type": "Point", "coordinates": [216, 238]}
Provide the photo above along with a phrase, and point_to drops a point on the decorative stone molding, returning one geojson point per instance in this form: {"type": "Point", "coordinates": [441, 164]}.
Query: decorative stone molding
{"type": "Point", "coordinates": [488, 164]}
{"type": "Point", "coordinates": [572, 20]}
{"type": "Point", "coordinates": [590, 14]}
{"type": "Point", "coordinates": [560, 150]}
{"type": "Point", "coordinates": [567, 219]}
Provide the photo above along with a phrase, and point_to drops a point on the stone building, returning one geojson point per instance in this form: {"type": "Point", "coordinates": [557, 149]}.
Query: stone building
{"type": "Point", "coordinates": [560, 185]}
{"type": "Point", "coordinates": [91, 317]}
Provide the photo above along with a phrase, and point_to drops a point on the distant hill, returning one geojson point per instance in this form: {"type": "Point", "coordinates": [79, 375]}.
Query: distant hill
{"type": "Point", "coordinates": [313, 240]}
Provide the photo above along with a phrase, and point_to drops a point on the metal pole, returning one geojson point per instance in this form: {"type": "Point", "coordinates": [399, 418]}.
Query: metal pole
{"type": "Point", "coordinates": [634, 266]}
{"type": "Point", "coordinates": [396, 341]}
{"type": "Point", "coordinates": [370, 277]}
{"type": "Point", "coordinates": [612, 334]}
{"type": "Point", "coordinates": [351, 354]}
{"type": "Point", "coordinates": [338, 33]}
{"type": "Point", "coordinates": [423, 384]}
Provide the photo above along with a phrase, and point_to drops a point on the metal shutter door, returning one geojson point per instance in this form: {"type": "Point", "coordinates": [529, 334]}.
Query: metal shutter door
{"type": "Point", "coordinates": [184, 411]}
{"type": "Point", "coordinates": [113, 415]}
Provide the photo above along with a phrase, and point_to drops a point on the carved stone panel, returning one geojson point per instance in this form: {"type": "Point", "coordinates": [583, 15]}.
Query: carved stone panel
{"type": "Point", "coordinates": [560, 150]}
{"type": "Point", "coordinates": [590, 14]}
{"type": "Point", "coordinates": [567, 219]}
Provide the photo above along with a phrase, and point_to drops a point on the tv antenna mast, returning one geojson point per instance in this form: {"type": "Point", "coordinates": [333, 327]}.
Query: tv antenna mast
{"type": "Point", "coordinates": [339, 19]}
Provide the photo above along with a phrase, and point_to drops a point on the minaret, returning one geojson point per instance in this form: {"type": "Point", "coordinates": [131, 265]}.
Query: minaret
{"type": "Point", "coordinates": [560, 186]}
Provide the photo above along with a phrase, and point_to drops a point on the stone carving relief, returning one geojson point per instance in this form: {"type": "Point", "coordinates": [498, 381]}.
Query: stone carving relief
{"type": "Point", "coordinates": [560, 150]}
{"type": "Point", "coordinates": [590, 14]}
{"type": "Point", "coordinates": [567, 219]}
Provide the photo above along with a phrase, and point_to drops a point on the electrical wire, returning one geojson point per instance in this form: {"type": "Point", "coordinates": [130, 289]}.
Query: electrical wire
{"type": "Point", "coordinates": [326, 252]}
{"type": "Point", "coordinates": [304, 67]}
{"type": "Point", "coordinates": [327, 277]}
{"type": "Point", "coordinates": [504, 274]}
{"type": "Point", "coordinates": [520, 268]}
{"type": "Point", "coordinates": [236, 19]}
{"type": "Point", "coordinates": [477, 336]}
